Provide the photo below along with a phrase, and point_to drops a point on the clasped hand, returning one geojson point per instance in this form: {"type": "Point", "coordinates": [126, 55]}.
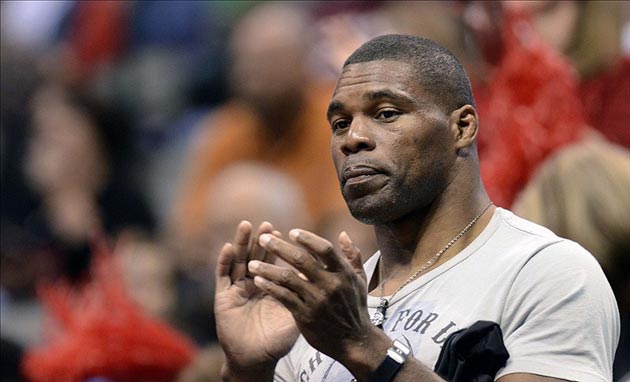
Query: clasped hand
{"type": "Point", "coordinates": [320, 293]}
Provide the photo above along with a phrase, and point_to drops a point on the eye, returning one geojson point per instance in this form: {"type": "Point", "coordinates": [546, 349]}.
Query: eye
{"type": "Point", "coordinates": [340, 124]}
{"type": "Point", "coordinates": [387, 115]}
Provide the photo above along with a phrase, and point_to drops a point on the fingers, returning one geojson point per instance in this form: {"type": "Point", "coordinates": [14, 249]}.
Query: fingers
{"type": "Point", "coordinates": [301, 260]}
{"type": "Point", "coordinates": [258, 252]}
{"type": "Point", "coordinates": [353, 254]}
{"type": "Point", "coordinates": [319, 247]}
{"type": "Point", "coordinates": [240, 246]}
{"type": "Point", "coordinates": [287, 298]}
{"type": "Point", "coordinates": [233, 257]}
{"type": "Point", "coordinates": [282, 276]}
{"type": "Point", "coordinates": [224, 267]}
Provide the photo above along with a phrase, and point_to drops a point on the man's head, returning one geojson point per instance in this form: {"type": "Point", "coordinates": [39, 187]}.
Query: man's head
{"type": "Point", "coordinates": [404, 127]}
{"type": "Point", "coordinates": [435, 68]}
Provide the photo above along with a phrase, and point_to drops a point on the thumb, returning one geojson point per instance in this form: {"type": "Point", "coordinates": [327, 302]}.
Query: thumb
{"type": "Point", "coordinates": [353, 254]}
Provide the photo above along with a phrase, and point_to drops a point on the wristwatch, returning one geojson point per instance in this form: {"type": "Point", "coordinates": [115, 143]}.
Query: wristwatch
{"type": "Point", "coordinates": [395, 359]}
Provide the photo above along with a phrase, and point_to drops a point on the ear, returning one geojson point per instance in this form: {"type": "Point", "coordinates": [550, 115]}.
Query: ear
{"type": "Point", "coordinates": [464, 125]}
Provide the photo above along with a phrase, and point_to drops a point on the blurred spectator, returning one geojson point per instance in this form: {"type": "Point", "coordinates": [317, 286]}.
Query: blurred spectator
{"type": "Point", "coordinates": [24, 261]}
{"type": "Point", "coordinates": [342, 27]}
{"type": "Point", "coordinates": [93, 38]}
{"type": "Point", "coordinates": [77, 162]}
{"type": "Point", "coordinates": [581, 193]}
{"type": "Point", "coordinates": [526, 114]}
{"type": "Point", "coordinates": [149, 275]}
{"type": "Point", "coordinates": [276, 116]}
{"type": "Point", "coordinates": [100, 334]}
{"type": "Point", "coordinates": [172, 73]}
{"type": "Point", "coordinates": [257, 192]}
{"type": "Point", "coordinates": [589, 34]}
{"type": "Point", "coordinates": [20, 78]}
{"type": "Point", "coordinates": [605, 97]}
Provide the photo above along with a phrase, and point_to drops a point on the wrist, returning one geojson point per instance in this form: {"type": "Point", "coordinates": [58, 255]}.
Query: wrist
{"type": "Point", "coordinates": [363, 357]}
{"type": "Point", "coordinates": [393, 362]}
{"type": "Point", "coordinates": [231, 372]}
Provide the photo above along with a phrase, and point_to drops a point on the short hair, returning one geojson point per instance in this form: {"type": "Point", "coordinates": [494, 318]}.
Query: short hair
{"type": "Point", "coordinates": [436, 69]}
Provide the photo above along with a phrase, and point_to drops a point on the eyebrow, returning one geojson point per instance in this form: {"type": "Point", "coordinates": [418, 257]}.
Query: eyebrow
{"type": "Point", "coordinates": [372, 96]}
{"type": "Point", "coordinates": [386, 94]}
{"type": "Point", "coordinates": [333, 107]}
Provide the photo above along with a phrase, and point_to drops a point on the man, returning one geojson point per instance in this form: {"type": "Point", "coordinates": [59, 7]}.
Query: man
{"type": "Point", "coordinates": [404, 127]}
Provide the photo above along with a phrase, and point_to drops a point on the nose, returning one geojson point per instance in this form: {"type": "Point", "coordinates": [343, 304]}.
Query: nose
{"type": "Point", "coordinates": [358, 138]}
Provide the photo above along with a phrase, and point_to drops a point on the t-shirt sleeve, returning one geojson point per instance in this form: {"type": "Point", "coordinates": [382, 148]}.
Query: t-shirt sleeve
{"type": "Point", "coordinates": [561, 319]}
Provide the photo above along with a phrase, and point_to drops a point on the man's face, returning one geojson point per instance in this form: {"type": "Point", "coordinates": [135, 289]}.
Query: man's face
{"type": "Point", "coordinates": [391, 144]}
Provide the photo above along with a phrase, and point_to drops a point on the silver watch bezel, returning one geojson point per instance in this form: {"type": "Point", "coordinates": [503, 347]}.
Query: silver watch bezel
{"type": "Point", "coordinates": [398, 352]}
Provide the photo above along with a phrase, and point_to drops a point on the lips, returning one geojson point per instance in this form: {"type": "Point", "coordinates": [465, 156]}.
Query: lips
{"type": "Point", "coordinates": [359, 173]}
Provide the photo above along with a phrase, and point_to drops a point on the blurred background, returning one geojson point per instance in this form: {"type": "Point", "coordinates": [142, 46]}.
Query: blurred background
{"type": "Point", "coordinates": [135, 135]}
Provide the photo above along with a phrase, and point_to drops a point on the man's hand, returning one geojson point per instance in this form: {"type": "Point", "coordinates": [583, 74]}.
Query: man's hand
{"type": "Point", "coordinates": [328, 299]}
{"type": "Point", "coordinates": [253, 328]}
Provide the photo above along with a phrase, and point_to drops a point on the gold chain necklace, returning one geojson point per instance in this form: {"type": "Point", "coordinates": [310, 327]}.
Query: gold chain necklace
{"type": "Point", "coordinates": [379, 317]}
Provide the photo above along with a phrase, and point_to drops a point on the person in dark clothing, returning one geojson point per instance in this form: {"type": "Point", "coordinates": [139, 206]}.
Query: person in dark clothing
{"type": "Point", "coordinates": [78, 161]}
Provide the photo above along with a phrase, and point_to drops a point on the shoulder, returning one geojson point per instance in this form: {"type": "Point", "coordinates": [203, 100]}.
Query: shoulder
{"type": "Point", "coordinates": [559, 309]}
{"type": "Point", "coordinates": [545, 247]}
{"type": "Point", "coordinates": [525, 227]}
{"type": "Point", "coordinates": [518, 240]}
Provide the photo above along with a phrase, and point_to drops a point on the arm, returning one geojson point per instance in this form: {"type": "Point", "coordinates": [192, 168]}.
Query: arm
{"type": "Point", "coordinates": [560, 317]}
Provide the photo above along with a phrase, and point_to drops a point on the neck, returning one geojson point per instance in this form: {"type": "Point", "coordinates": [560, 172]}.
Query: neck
{"type": "Point", "coordinates": [409, 243]}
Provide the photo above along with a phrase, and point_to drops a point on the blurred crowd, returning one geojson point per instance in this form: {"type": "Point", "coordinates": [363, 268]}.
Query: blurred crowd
{"type": "Point", "coordinates": [135, 136]}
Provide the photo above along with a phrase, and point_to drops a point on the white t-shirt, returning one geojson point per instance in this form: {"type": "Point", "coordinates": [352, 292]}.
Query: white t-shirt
{"type": "Point", "coordinates": [549, 295]}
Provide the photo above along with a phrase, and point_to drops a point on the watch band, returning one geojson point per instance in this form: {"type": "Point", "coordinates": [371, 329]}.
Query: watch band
{"type": "Point", "coordinates": [395, 359]}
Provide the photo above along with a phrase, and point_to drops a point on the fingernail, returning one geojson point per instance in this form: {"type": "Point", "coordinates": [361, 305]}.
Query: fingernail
{"type": "Point", "coordinates": [264, 238]}
{"type": "Point", "coordinates": [345, 241]}
{"type": "Point", "coordinates": [259, 281]}
{"type": "Point", "coordinates": [294, 233]}
{"type": "Point", "coordinates": [253, 265]}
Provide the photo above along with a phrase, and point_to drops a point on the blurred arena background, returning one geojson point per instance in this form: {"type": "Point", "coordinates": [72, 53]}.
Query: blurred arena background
{"type": "Point", "coordinates": [135, 135]}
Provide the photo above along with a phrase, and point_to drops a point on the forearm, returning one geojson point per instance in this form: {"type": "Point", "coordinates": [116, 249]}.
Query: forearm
{"type": "Point", "coordinates": [263, 373]}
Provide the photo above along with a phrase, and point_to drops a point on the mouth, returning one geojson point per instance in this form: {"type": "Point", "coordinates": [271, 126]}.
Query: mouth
{"type": "Point", "coordinates": [358, 174]}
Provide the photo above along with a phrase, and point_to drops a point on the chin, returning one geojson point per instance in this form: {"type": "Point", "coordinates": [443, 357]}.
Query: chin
{"type": "Point", "coordinates": [370, 212]}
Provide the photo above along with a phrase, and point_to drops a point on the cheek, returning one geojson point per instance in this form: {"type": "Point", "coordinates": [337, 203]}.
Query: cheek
{"type": "Point", "coordinates": [435, 142]}
{"type": "Point", "coordinates": [423, 155]}
{"type": "Point", "coordinates": [336, 154]}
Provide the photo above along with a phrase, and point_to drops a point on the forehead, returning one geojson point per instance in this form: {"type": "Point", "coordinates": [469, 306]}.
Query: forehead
{"type": "Point", "coordinates": [362, 77]}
